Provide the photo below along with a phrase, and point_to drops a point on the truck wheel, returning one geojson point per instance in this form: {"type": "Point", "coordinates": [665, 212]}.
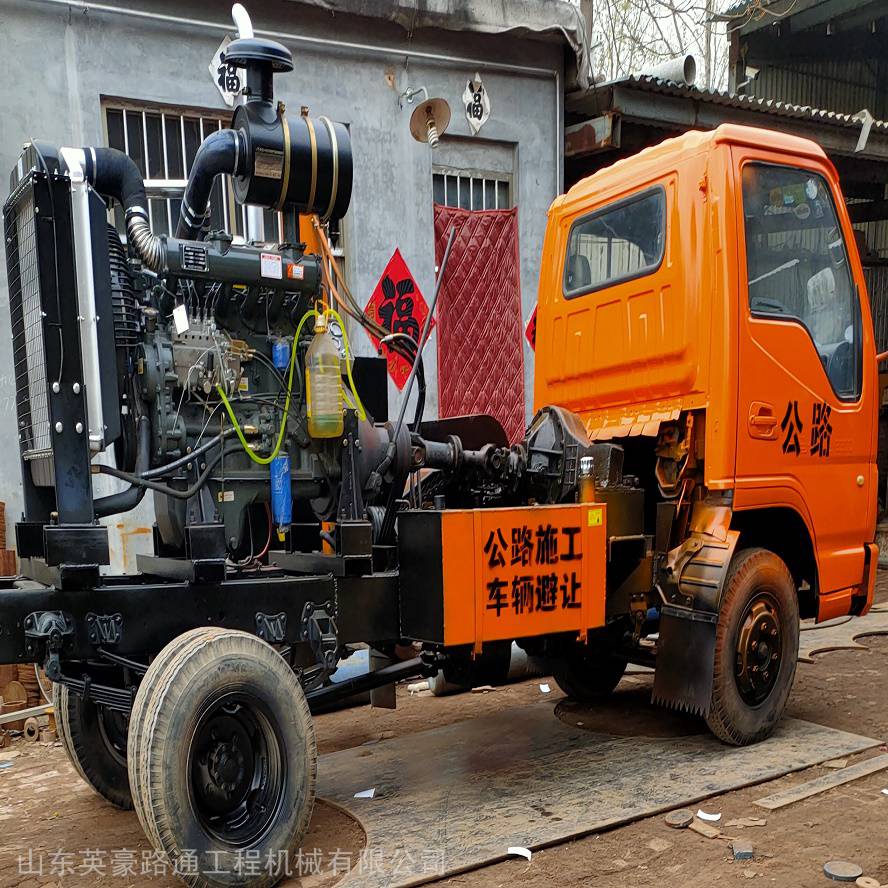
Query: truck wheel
{"type": "Point", "coordinates": [756, 648]}
{"type": "Point", "coordinates": [146, 688]}
{"type": "Point", "coordinates": [228, 759]}
{"type": "Point", "coordinates": [95, 740]}
{"type": "Point", "coordinates": [587, 673]}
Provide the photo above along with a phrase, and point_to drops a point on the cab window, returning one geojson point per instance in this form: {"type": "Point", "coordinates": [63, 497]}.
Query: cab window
{"type": "Point", "coordinates": [797, 266]}
{"type": "Point", "coordinates": [622, 241]}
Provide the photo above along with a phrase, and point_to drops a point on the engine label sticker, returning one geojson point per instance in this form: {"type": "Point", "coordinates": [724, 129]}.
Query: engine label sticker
{"type": "Point", "coordinates": [270, 266]}
{"type": "Point", "coordinates": [268, 164]}
{"type": "Point", "coordinates": [194, 258]}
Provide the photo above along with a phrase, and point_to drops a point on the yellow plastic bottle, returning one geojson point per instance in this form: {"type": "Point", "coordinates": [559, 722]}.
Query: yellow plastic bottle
{"type": "Point", "coordinates": [323, 384]}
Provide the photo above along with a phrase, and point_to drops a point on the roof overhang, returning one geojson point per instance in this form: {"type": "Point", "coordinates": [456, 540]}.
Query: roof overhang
{"type": "Point", "coordinates": [546, 19]}
{"type": "Point", "coordinates": [749, 16]}
{"type": "Point", "coordinates": [671, 106]}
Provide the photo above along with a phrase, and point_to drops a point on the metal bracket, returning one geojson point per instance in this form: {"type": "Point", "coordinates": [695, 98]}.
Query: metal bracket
{"type": "Point", "coordinates": [351, 502]}
{"type": "Point", "coordinates": [104, 628]}
{"type": "Point", "coordinates": [272, 627]}
{"type": "Point", "coordinates": [319, 630]}
{"type": "Point", "coordinates": [52, 628]}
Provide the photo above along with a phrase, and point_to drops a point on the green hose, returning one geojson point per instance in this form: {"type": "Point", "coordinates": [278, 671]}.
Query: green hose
{"type": "Point", "coordinates": [265, 460]}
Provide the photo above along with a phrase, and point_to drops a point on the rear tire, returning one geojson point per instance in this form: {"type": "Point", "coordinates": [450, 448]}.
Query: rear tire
{"type": "Point", "coordinates": [756, 648]}
{"type": "Point", "coordinates": [588, 673]}
{"type": "Point", "coordinates": [227, 759]}
{"type": "Point", "coordinates": [95, 740]}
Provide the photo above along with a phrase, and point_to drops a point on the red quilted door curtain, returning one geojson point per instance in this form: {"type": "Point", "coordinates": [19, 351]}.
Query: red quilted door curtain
{"type": "Point", "coordinates": [480, 358]}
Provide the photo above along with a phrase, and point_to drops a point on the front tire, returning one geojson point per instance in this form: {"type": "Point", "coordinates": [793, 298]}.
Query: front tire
{"type": "Point", "coordinates": [228, 760]}
{"type": "Point", "coordinates": [756, 648]}
{"type": "Point", "coordinates": [95, 740]}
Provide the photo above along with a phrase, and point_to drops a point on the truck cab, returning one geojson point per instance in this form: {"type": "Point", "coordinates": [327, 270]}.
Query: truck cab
{"type": "Point", "coordinates": [703, 303]}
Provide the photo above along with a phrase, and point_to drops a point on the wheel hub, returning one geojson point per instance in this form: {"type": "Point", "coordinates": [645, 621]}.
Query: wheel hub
{"type": "Point", "coordinates": [227, 765]}
{"type": "Point", "coordinates": [759, 646]}
{"type": "Point", "coordinates": [237, 769]}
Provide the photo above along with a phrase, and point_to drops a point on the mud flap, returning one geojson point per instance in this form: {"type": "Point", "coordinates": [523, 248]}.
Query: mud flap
{"type": "Point", "coordinates": [685, 659]}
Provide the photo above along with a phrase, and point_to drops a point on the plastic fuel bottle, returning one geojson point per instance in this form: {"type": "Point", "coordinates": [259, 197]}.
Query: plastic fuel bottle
{"type": "Point", "coordinates": [323, 384]}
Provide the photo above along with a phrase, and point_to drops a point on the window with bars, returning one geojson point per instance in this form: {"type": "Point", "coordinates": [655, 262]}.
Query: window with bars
{"type": "Point", "coordinates": [471, 191]}
{"type": "Point", "coordinates": [163, 141]}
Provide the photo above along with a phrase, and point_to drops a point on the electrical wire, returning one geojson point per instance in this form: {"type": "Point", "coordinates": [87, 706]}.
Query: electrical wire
{"type": "Point", "coordinates": [266, 460]}
{"type": "Point", "coordinates": [193, 367]}
{"type": "Point", "coordinates": [267, 546]}
{"type": "Point", "coordinates": [345, 299]}
{"type": "Point", "coordinates": [348, 364]}
{"type": "Point", "coordinates": [264, 359]}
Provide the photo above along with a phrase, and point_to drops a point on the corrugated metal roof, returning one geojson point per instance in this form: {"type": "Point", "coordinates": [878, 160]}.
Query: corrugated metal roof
{"type": "Point", "coordinates": [751, 103]}
{"type": "Point", "coordinates": [742, 6]}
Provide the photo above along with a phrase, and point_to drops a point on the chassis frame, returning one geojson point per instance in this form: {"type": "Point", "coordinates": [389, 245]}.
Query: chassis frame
{"type": "Point", "coordinates": [126, 620]}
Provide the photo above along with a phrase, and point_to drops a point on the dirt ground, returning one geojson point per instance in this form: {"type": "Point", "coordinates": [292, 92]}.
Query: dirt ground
{"type": "Point", "coordinates": [55, 831]}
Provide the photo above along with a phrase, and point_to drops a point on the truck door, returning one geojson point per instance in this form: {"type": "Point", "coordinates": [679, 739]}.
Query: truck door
{"type": "Point", "coordinates": [806, 422]}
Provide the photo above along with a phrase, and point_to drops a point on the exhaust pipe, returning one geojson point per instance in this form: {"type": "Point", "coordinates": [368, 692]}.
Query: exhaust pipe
{"type": "Point", "coordinates": [682, 70]}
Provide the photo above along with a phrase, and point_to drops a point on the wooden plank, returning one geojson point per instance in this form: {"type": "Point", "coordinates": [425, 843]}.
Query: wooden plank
{"type": "Point", "coordinates": [821, 784]}
{"type": "Point", "coordinates": [33, 711]}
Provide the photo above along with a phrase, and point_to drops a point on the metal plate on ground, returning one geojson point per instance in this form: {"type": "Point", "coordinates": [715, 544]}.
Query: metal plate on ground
{"type": "Point", "coordinates": [841, 633]}
{"type": "Point", "coordinates": [457, 797]}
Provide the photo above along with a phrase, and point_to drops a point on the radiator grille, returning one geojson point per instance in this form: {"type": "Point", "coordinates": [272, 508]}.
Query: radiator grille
{"type": "Point", "coordinates": [29, 360]}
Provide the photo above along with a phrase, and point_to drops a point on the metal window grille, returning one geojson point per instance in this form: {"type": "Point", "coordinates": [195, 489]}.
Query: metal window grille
{"type": "Point", "coordinates": [163, 141]}
{"type": "Point", "coordinates": [471, 191]}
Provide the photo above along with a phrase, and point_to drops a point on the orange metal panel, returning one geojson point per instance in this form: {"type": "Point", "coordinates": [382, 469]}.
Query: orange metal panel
{"type": "Point", "coordinates": [682, 337]}
{"type": "Point", "coordinates": [782, 371]}
{"type": "Point", "coordinates": [836, 604]}
{"type": "Point", "coordinates": [637, 353]}
{"type": "Point", "coordinates": [459, 556]}
{"type": "Point", "coordinates": [519, 572]}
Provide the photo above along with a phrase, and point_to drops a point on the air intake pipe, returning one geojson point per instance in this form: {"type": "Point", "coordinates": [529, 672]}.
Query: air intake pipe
{"type": "Point", "coordinates": [112, 172]}
{"type": "Point", "coordinates": [220, 152]}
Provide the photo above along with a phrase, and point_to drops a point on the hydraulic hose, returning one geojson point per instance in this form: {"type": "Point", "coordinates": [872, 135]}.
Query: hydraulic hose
{"type": "Point", "coordinates": [176, 493]}
{"type": "Point", "coordinates": [112, 172]}
{"type": "Point", "coordinates": [176, 464]}
{"type": "Point", "coordinates": [220, 152]}
{"type": "Point", "coordinates": [128, 499]}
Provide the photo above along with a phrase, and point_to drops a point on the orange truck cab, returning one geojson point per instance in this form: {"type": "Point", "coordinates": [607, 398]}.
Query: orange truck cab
{"type": "Point", "coordinates": [703, 304]}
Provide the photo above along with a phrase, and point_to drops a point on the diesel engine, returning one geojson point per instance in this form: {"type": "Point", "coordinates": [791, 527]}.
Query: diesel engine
{"type": "Point", "coordinates": [217, 376]}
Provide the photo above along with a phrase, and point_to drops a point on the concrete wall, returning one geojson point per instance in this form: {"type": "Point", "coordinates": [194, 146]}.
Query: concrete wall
{"type": "Point", "coordinates": [55, 65]}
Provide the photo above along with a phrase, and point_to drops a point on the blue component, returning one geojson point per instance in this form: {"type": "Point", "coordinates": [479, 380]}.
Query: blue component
{"type": "Point", "coordinates": [280, 354]}
{"type": "Point", "coordinates": [281, 492]}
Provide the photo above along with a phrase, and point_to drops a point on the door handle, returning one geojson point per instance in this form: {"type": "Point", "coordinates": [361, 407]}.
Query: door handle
{"type": "Point", "coordinates": [762, 420]}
